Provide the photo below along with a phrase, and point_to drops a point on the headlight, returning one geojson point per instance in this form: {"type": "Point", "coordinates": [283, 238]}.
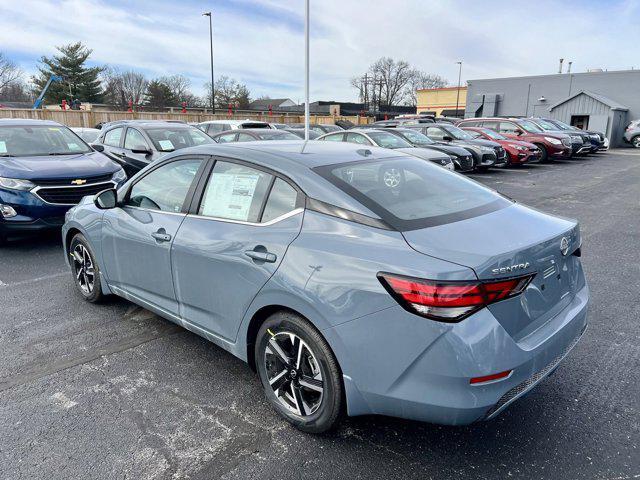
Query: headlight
{"type": "Point", "coordinates": [486, 149]}
{"type": "Point", "coordinates": [16, 184]}
{"type": "Point", "coordinates": [119, 176]}
{"type": "Point", "coordinates": [555, 141]}
{"type": "Point", "coordinates": [576, 139]}
{"type": "Point", "coordinates": [517, 147]}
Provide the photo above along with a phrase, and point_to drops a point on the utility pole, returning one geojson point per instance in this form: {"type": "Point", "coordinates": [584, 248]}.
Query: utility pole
{"type": "Point", "coordinates": [213, 94]}
{"type": "Point", "coordinates": [366, 95]}
{"type": "Point", "coordinates": [306, 70]}
{"type": "Point", "coordinates": [458, 93]}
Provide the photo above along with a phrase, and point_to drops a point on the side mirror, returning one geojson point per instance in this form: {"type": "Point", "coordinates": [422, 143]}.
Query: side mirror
{"type": "Point", "coordinates": [98, 148]}
{"type": "Point", "coordinates": [447, 138]}
{"type": "Point", "coordinates": [141, 149]}
{"type": "Point", "coordinates": [106, 199]}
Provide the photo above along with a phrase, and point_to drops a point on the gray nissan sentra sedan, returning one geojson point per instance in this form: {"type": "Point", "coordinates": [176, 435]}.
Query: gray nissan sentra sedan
{"type": "Point", "coordinates": [357, 280]}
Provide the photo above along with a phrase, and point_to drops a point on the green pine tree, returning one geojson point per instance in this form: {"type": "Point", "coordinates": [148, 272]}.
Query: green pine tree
{"type": "Point", "coordinates": [159, 96]}
{"type": "Point", "coordinates": [79, 81]}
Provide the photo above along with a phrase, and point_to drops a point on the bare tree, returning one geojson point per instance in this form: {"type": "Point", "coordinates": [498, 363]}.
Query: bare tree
{"type": "Point", "coordinates": [419, 80]}
{"type": "Point", "coordinates": [178, 85]}
{"type": "Point", "coordinates": [123, 87]}
{"type": "Point", "coordinates": [9, 72]}
{"type": "Point", "coordinates": [393, 77]}
{"type": "Point", "coordinates": [229, 92]}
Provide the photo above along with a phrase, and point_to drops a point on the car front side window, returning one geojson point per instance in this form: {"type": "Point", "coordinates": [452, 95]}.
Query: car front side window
{"type": "Point", "coordinates": [435, 133]}
{"type": "Point", "coordinates": [226, 138]}
{"type": "Point", "coordinates": [134, 140]}
{"type": "Point", "coordinates": [165, 188]}
{"type": "Point", "coordinates": [357, 138]}
{"type": "Point", "coordinates": [336, 137]}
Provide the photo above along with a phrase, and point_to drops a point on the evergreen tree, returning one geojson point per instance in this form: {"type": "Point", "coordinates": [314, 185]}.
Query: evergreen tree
{"type": "Point", "coordinates": [159, 95]}
{"type": "Point", "coordinates": [79, 81]}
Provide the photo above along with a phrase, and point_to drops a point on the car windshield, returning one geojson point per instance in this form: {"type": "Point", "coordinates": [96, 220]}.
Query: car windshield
{"type": "Point", "coordinates": [409, 193]}
{"type": "Point", "coordinates": [562, 125]}
{"type": "Point", "coordinates": [388, 140]}
{"type": "Point", "coordinates": [40, 140]}
{"type": "Point", "coordinates": [416, 138]}
{"type": "Point", "coordinates": [457, 133]}
{"type": "Point", "coordinates": [546, 125]}
{"type": "Point", "coordinates": [168, 139]}
{"type": "Point", "coordinates": [277, 135]}
{"type": "Point", "coordinates": [493, 134]}
{"type": "Point", "coordinates": [529, 126]}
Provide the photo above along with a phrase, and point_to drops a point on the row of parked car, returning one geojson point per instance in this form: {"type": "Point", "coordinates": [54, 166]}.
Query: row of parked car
{"type": "Point", "coordinates": [473, 144]}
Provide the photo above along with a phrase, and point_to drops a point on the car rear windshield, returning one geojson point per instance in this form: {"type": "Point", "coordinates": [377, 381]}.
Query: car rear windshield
{"type": "Point", "coordinates": [168, 139]}
{"type": "Point", "coordinates": [40, 140]}
{"type": "Point", "coordinates": [409, 193]}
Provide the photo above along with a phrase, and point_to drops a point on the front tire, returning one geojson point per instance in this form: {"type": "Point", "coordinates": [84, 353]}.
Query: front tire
{"type": "Point", "coordinates": [635, 141]}
{"type": "Point", "coordinates": [299, 373]}
{"type": "Point", "coordinates": [85, 269]}
{"type": "Point", "coordinates": [544, 154]}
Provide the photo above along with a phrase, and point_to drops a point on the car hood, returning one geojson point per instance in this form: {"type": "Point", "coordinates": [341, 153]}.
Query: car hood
{"type": "Point", "coordinates": [424, 153]}
{"type": "Point", "coordinates": [57, 166]}
{"type": "Point", "coordinates": [454, 150]}
{"type": "Point", "coordinates": [520, 143]}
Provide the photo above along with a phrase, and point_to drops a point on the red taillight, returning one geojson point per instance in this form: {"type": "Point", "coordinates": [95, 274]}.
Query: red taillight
{"type": "Point", "coordinates": [490, 378]}
{"type": "Point", "coordinates": [449, 301]}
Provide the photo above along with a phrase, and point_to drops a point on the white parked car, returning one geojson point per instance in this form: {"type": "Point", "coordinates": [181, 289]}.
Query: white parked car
{"type": "Point", "coordinates": [212, 127]}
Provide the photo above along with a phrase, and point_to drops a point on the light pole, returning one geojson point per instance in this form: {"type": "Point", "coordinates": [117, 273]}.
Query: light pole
{"type": "Point", "coordinates": [458, 93]}
{"type": "Point", "coordinates": [213, 94]}
{"type": "Point", "coordinates": [306, 70]}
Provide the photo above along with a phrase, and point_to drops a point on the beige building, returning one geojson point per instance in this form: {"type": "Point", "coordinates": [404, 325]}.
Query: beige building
{"type": "Point", "coordinates": [442, 101]}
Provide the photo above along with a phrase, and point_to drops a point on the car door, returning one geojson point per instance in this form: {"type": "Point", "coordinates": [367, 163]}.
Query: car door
{"type": "Point", "coordinates": [137, 236]}
{"type": "Point", "coordinates": [232, 242]}
{"type": "Point", "coordinates": [137, 153]}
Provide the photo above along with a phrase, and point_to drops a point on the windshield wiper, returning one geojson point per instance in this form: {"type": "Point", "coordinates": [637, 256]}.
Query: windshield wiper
{"type": "Point", "coordinates": [6, 155]}
{"type": "Point", "coordinates": [62, 153]}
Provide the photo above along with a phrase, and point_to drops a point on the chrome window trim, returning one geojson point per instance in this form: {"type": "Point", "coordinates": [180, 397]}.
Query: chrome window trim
{"type": "Point", "coordinates": [38, 188]}
{"type": "Point", "coordinates": [152, 210]}
{"type": "Point", "coordinates": [290, 213]}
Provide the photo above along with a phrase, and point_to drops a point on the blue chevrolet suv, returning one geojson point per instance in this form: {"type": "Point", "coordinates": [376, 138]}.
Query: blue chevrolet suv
{"type": "Point", "coordinates": [45, 169]}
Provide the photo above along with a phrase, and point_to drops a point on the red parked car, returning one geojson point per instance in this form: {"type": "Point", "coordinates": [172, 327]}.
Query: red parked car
{"type": "Point", "coordinates": [518, 151]}
{"type": "Point", "coordinates": [551, 144]}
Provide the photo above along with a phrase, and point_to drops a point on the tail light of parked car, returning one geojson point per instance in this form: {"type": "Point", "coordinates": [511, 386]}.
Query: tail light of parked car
{"type": "Point", "coordinates": [450, 301]}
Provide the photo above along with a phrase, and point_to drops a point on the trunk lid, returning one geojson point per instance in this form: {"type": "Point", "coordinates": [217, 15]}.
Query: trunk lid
{"type": "Point", "coordinates": [511, 242]}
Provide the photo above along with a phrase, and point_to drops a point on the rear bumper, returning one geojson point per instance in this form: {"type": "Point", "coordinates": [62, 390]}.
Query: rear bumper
{"type": "Point", "coordinates": [398, 364]}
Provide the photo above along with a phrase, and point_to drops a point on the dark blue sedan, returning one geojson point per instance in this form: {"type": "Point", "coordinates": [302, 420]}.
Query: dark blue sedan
{"type": "Point", "coordinates": [45, 169]}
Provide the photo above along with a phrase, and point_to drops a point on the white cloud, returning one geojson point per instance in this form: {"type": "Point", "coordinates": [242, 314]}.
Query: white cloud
{"type": "Point", "coordinates": [258, 43]}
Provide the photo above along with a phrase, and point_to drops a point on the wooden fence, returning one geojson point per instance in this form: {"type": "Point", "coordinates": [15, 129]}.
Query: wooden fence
{"type": "Point", "coordinates": [80, 118]}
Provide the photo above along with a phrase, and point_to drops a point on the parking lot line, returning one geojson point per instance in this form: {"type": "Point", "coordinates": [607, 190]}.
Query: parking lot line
{"type": "Point", "coordinates": [33, 280]}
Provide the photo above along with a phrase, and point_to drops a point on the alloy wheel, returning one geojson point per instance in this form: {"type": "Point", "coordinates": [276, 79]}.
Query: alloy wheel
{"type": "Point", "coordinates": [83, 268]}
{"type": "Point", "coordinates": [294, 374]}
{"type": "Point", "coordinates": [636, 142]}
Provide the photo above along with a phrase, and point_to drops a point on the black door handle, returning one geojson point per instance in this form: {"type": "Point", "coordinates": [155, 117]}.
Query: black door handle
{"type": "Point", "coordinates": [161, 235]}
{"type": "Point", "coordinates": [261, 255]}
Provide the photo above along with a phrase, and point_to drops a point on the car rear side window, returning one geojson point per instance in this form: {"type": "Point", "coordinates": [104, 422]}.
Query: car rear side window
{"type": "Point", "coordinates": [336, 137]}
{"type": "Point", "coordinates": [235, 192]}
{"type": "Point", "coordinates": [112, 137]}
{"type": "Point", "coordinates": [282, 199]}
{"type": "Point", "coordinates": [166, 187]}
{"type": "Point", "coordinates": [409, 194]}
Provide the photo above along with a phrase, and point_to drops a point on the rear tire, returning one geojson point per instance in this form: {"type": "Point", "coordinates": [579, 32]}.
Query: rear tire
{"type": "Point", "coordinates": [85, 269]}
{"type": "Point", "coordinates": [299, 373]}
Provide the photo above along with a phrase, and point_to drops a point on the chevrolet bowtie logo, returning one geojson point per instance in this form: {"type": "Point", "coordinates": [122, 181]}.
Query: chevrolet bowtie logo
{"type": "Point", "coordinates": [78, 182]}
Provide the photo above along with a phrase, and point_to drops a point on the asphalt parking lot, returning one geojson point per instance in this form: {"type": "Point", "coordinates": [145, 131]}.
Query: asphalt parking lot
{"type": "Point", "coordinates": [113, 391]}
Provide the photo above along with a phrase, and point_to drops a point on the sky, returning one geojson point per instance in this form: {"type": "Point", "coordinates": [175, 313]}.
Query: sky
{"type": "Point", "coordinates": [261, 42]}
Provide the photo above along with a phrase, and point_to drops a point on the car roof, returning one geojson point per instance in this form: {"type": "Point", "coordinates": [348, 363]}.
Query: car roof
{"type": "Point", "coordinates": [147, 123]}
{"type": "Point", "coordinates": [233, 122]}
{"type": "Point", "coordinates": [11, 122]}
{"type": "Point", "coordinates": [294, 159]}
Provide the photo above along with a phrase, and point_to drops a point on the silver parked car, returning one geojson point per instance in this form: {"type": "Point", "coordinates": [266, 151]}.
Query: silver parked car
{"type": "Point", "coordinates": [351, 279]}
{"type": "Point", "coordinates": [632, 133]}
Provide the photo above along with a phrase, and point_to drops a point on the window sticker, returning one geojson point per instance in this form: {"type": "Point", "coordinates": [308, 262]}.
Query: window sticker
{"type": "Point", "coordinates": [73, 146]}
{"type": "Point", "coordinates": [230, 195]}
{"type": "Point", "coordinates": [166, 145]}
{"type": "Point", "coordinates": [3, 147]}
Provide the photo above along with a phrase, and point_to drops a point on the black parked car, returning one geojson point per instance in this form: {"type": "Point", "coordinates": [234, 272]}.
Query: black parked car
{"type": "Point", "coordinates": [313, 134]}
{"type": "Point", "coordinates": [462, 159]}
{"type": "Point", "coordinates": [253, 135]}
{"type": "Point", "coordinates": [135, 144]}
{"type": "Point", "coordinates": [596, 138]}
{"type": "Point", "coordinates": [485, 153]}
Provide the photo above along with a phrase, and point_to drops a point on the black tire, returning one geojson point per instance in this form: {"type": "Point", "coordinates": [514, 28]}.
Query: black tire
{"type": "Point", "coordinates": [544, 154]}
{"type": "Point", "coordinates": [94, 294]}
{"type": "Point", "coordinates": [327, 411]}
{"type": "Point", "coordinates": [635, 141]}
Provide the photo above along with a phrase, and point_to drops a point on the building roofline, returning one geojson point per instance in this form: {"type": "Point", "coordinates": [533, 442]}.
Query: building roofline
{"type": "Point", "coordinates": [462, 87]}
{"type": "Point", "coordinates": [612, 104]}
{"type": "Point", "coordinates": [555, 75]}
